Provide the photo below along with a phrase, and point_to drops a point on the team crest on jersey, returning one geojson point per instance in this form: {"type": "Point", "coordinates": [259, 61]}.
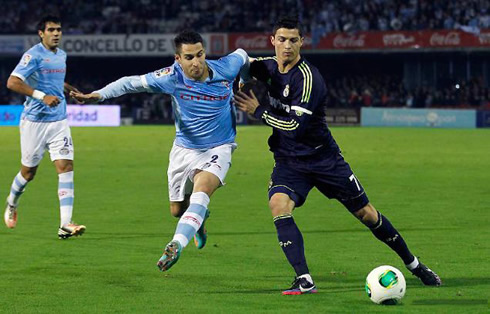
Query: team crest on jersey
{"type": "Point", "coordinates": [227, 85]}
{"type": "Point", "coordinates": [26, 59]}
{"type": "Point", "coordinates": [285, 93]}
{"type": "Point", "coordinates": [163, 72]}
{"type": "Point", "coordinates": [298, 113]}
{"type": "Point", "coordinates": [64, 151]}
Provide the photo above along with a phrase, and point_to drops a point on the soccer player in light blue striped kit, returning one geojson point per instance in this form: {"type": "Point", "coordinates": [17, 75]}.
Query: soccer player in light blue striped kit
{"type": "Point", "coordinates": [201, 92]}
{"type": "Point", "coordinates": [40, 75]}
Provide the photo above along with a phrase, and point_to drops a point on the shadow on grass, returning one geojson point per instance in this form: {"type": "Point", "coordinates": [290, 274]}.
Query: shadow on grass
{"type": "Point", "coordinates": [455, 282]}
{"type": "Point", "coordinates": [451, 302]}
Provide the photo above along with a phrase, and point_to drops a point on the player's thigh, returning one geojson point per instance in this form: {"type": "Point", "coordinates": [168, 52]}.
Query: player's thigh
{"type": "Point", "coordinates": [288, 178]}
{"type": "Point", "coordinates": [33, 142]}
{"type": "Point", "coordinates": [340, 183]}
{"type": "Point", "coordinates": [178, 173]}
{"type": "Point", "coordinates": [59, 141]}
{"type": "Point", "coordinates": [184, 163]}
{"type": "Point", "coordinates": [215, 161]}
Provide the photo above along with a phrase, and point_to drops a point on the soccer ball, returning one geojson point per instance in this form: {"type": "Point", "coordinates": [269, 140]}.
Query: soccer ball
{"type": "Point", "coordinates": [385, 285]}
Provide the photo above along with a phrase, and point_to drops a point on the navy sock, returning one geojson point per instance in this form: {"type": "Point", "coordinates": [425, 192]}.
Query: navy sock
{"type": "Point", "coordinates": [384, 231]}
{"type": "Point", "coordinates": [291, 242]}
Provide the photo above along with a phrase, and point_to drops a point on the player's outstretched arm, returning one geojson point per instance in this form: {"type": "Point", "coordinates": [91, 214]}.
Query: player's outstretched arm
{"type": "Point", "coordinates": [17, 85]}
{"type": "Point", "coordinates": [124, 85]}
{"type": "Point", "coordinates": [82, 98]}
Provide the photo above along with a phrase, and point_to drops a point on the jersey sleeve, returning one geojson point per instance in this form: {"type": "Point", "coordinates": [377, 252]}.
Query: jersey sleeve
{"type": "Point", "coordinates": [259, 70]}
{"type": "Point", "coordinates": [160, 81]}
{"type": "Point", "coordinates": [307, 94]}
{"type": "Point", "coordinates": [233, 63]}
{"type": "Point", "coordinates": [28, 64]}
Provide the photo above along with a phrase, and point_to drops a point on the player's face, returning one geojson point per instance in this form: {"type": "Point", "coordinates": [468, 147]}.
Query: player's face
{"type": "Point", "coordinates": [287, 43]}
{"type": "Point", "coordinates": [192, 58]}
{"type": "Point", "coordinates": [51, 36]}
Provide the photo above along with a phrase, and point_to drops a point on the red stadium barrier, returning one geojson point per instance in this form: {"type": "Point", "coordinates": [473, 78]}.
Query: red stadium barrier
{"type": "Point", "coordinates": [400, 40]}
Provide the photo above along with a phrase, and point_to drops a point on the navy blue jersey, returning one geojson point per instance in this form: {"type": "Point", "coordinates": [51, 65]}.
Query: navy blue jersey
{"type": "Point", "coordinates": [296, 109]}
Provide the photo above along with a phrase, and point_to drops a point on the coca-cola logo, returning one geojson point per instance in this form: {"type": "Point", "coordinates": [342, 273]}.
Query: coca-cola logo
{"type": "Point", "coordinates": [397, 39]}
{"type": "Point", "coordinates": [449, 39]}
{"type": "Point", "coordinates": [349, 41]}
{"type": "Point", "coordinates": [256, 42]}
{"type": "Point", "coordinates": [484, 38]}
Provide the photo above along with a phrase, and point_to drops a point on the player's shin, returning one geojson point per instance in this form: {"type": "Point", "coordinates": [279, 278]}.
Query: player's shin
{"type": "Point", "coordinates": [385, 232]}
{"type": "Point", "coordinates": [66, 196]}
{"type": "Point", "coordinates": [291, 242]}
{"type": "Point", "coordinates": [16, 190]}
{"type": "Point", "coordinates": [192, 218]}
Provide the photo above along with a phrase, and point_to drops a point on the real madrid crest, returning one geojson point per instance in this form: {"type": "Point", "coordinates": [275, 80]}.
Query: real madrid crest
{"type": "Point", "coordinates": [285, 93]}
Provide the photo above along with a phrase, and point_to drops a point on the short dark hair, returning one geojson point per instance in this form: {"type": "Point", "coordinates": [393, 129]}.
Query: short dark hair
{"type": "Point", "coordinates": [187, 37]}
{"type": "Point", "coordinates": [48, 18]}
{"type": "Point", "coordinates": [289, 22]}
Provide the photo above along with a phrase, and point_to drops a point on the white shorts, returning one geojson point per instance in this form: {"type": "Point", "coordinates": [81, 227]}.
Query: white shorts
{"type": "Point", "coordinates": [37, 137]}
{"type": "Point", "coordinates": [184, 162]}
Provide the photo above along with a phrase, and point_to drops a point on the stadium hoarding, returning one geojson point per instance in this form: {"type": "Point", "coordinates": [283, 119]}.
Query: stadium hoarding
{"type": "Point", "coordinates": [10, 114]}
{"type": "Point", "coordinates": [94, 115]}
{"type": "Point", "coordinates": [135, 45]}
{"type": "Point", "coordinates": [343, 117]}
{"type": "Point", "coordinates": [78, 115]}
{"type": "Point", "coordinates": [432, 118]}
{"type": "Point", "coordinates": [365, 41]}
{"type": "Point", "coordinates": [483, 119]}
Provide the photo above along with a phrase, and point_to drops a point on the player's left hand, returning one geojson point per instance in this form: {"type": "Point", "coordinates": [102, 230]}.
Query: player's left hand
{"type": "Point", "coordinates": [247, 103]}
{"type": "Point", "coordinates": [69, 89]}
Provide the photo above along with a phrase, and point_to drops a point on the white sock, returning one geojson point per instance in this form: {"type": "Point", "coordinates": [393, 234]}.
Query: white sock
{"type": "Point", "coordinates": [307, 277]}
{"type": "Point", "coordinates": [413, 264]}
{"type": "Point", "coordinates": [192, 219]}
{"type": "Point", "coordinates": [16, 190]}
{"type": "Point", "coordinates": [66, 194]}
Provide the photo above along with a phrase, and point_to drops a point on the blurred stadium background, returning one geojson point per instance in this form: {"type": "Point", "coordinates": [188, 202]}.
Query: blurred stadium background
{"type": "Point", "coordinates": [373, 54]}
{"type": "Point", "coordinates": [386, 63]}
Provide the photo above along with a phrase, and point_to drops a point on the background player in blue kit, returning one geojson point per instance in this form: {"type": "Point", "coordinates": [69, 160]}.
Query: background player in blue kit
{"type": "Point", "coordinates": [306, 155]}
{"type": "Point", "coordinates": [40, 75]}
{"type": "Point", "coordinates": [201, 92]}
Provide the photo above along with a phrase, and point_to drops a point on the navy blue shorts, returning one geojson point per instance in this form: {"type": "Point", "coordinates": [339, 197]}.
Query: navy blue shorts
{"type": "Point", "coordinates": [328, 172]}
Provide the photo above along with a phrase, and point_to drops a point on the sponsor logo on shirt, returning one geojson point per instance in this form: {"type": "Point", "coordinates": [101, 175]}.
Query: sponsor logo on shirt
{"type": "Point", "coordinates": [51, 71]}
{"type": "Point", "coordinates": [203, 97]}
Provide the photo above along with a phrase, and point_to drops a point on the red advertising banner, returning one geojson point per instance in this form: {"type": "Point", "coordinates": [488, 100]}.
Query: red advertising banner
{"type": "Point", "coordinates": [406, 41]}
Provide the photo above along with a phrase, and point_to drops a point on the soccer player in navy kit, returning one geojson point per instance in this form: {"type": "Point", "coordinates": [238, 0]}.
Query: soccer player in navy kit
{"type": "Point", "coordinates": [306, 155]}
{"type": "Point", "coordinates": [201, 92]}
{"type": "Point", "coordinates": [40, 76]}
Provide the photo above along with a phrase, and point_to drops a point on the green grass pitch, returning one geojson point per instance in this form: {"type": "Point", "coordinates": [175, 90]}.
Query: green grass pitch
{"type": "Point", "coordinates": [433, 184]}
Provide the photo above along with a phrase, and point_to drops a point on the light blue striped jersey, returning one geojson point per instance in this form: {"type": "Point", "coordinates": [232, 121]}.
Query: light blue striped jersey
{"type": "Point", "coordinates": [204, 114]}
{"type": "Point", "coordinates": [45, 71]}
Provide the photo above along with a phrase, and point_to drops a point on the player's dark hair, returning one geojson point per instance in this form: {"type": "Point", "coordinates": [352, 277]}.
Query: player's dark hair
{"type": "Point", "coordinates": [288, 22]}
{"type": "Point", "coordinates": [187, 37]}
{"type": "Point", "coordinates": [48, 18]}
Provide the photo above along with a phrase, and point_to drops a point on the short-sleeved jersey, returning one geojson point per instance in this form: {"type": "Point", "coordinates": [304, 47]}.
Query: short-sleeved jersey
{"type": "Point", "coordinates": [296, 109]}
{"type": "Point", "coordinates": [204, 115]}
{"type": "Point", "coordinates": [45, 71]}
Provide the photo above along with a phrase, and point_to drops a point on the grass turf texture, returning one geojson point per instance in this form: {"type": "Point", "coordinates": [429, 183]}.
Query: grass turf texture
{"type": "Point", "coordinates": [431, 183]}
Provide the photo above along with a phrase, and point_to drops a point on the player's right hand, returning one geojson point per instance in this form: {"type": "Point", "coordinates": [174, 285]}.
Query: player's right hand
{"type": "Point", "coordinates": [51, 101]}
{"type": "Point", "coordinates": [93, 97]}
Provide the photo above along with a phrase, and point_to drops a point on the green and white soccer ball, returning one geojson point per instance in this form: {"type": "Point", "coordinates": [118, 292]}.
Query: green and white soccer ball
{"type": "Point", "coordinates": [385, 285]}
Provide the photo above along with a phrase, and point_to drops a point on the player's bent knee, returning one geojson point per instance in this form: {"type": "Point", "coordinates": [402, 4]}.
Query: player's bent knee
{"type": "Point", "coordinates": [280, 204]}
